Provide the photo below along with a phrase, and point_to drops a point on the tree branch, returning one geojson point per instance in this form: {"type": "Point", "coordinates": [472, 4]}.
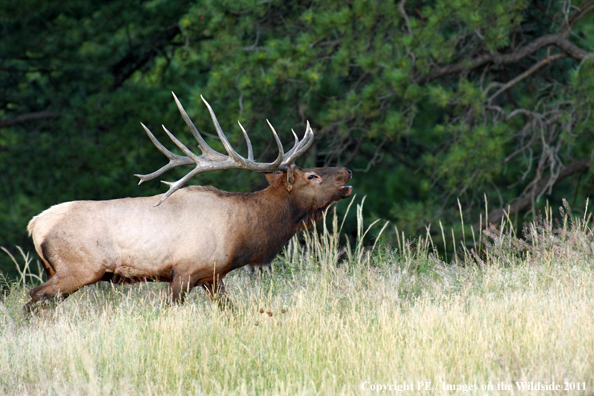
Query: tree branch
{"type": "Point", "coordinates": [525, 200]}
{"type": "Point", "coordinates": [577, 16]}
{"type": "Point", "coordinates": [559, 41]}
{"type": "Point", "coordinates": [405, 16]}
{"type": "Point", "coordinates": [41, 115]}
{"type": "Point", "coordinates": [527, 73]}
{"type": "Point", "coordinates": [355, 151]}
{"type": "Point", "coordinates": [133, 61]}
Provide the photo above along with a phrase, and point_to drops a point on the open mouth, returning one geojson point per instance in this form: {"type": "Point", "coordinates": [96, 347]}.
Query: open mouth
{"type": "Point", "coordinates": [346, 191]}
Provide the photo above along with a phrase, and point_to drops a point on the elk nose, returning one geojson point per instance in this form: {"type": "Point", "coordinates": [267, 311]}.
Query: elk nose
{"type": "Point", "coordinates": [350, 173]}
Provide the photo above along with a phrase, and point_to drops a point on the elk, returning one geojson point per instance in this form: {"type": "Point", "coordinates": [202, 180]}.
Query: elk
{"type": "Point", "coordinates": [193, 237]}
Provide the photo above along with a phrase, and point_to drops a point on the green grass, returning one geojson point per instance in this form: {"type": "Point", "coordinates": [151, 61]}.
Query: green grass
{"type": "Point", "coordinates": [517, 310]}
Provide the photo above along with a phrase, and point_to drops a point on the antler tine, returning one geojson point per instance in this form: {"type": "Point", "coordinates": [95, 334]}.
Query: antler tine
{"type": "Point", "coordinates": [296, 137]}
{"type": "Point", "coordinates": [173, 187]}
{"type": "Point", "coordinates": [288, 153]}
{"type": "Point", "coordinates": [300, 147]}
{"type": "Point", "coordinates": [207, 151]}
{"type": "Point", "coordinates": [182, 146]}
{"type": "Point", "coordinates": [174, 159]}
{"type": "Point", "coordinates": [232, 153]}
{"type": "Point", "coordinates": [249, 143]}
{"type": "Point", "coordinates": [281, 152]}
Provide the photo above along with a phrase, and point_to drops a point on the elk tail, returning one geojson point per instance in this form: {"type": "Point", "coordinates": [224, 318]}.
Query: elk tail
{"type": "Point", "coordinates": [40, 248]}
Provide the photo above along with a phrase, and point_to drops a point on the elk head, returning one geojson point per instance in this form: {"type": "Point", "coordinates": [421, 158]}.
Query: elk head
{"type": "Point", "coordinates": [317, 187]}
{"type": "Point", "coordinates": [312, 190]}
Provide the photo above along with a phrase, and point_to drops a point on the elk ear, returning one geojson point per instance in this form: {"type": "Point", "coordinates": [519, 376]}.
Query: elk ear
{"type": "Point", "coordinates": [273, 177]}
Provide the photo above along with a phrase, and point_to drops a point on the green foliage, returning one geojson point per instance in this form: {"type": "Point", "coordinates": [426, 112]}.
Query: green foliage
{"type": "Point", "coordinates": [366, 74]}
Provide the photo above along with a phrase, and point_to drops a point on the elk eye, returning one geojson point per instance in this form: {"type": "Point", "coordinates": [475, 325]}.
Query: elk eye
{"type": "Point", "coordinates": [311, 177]}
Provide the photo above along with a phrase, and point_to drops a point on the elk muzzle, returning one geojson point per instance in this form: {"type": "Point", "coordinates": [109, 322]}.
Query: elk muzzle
{"type": "Point", "coordinates": [346, 191]}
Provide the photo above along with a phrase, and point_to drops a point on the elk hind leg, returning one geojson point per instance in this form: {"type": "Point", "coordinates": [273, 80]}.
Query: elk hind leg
{"type": "Point", "coordinates": [53, 289]}
{"type": "Point", "coordinates": [58, 287]}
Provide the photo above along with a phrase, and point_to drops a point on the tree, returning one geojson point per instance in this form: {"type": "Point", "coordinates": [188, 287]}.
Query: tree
{"type": "Point", "coordinates": [434, 100]}
{"type": "Point", "coordinates": [68, 125]}
{"type": "Point", "coordinates": [471, 99]}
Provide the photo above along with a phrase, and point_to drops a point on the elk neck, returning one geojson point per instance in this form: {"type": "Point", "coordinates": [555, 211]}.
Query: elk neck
{"type": "Point", "coordinates": [269, 219]}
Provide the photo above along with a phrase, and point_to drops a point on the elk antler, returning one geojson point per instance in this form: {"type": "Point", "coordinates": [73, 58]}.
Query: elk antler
{"type": "Point", "coordinates": [211, 160]}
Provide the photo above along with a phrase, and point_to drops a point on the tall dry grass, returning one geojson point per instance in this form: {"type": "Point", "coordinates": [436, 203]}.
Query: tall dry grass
{"type": "Point", "coordinates": [336, 319]}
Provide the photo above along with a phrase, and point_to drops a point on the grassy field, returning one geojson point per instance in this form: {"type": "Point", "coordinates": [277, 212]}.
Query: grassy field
{"type": "Point", "coordinates": [328, 320]}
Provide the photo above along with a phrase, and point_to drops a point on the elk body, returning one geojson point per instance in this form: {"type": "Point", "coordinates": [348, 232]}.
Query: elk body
{"type": "Point", "coordinates": [190, 238]}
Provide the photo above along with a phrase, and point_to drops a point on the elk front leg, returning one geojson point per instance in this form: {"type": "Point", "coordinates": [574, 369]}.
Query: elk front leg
{"type": "Point", "coordinates": [216, 292]}
{"type": "Point", "coordinates": [179, 286]}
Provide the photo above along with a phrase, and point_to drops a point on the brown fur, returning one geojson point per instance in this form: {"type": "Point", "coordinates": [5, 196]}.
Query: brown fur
{"type": "Point", "coordinates": [194, 238]}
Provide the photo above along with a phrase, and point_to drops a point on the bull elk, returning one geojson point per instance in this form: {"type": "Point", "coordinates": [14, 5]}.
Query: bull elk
{"type": "Point", "coordinates": [190, 238]}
